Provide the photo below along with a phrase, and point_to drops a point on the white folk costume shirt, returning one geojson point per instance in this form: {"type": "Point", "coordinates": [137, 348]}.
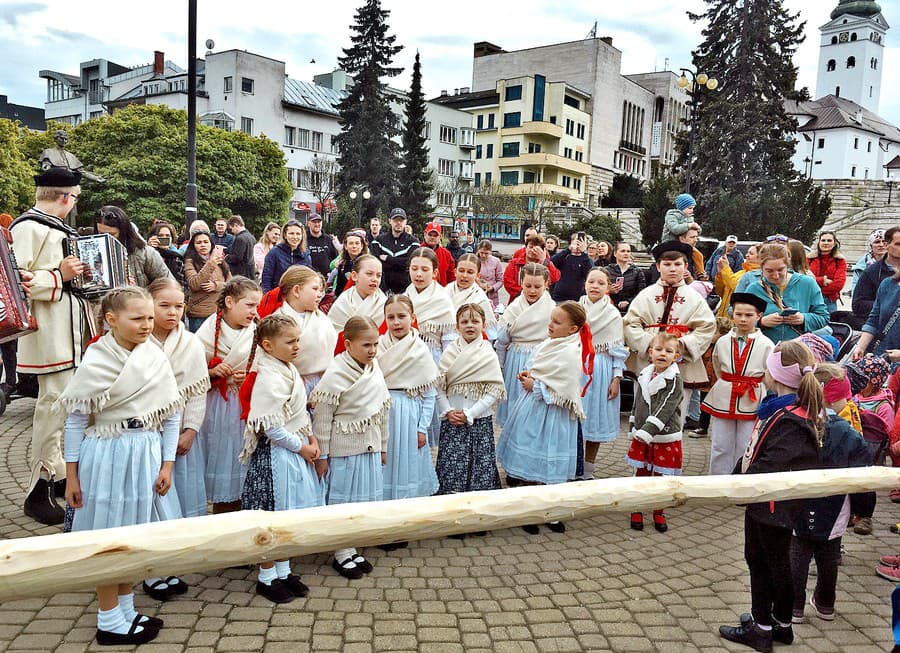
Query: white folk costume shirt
{"type": "Point", "coordinates": [740, 368]}
{"type": "Point", "coordinates": [317, 340]}
{"type": "Point", "coordinates": [406, 363]}
{"type": "Point", "coordinates": [65, 322]}
{"type": "Point", "coordinates": [676, 309]}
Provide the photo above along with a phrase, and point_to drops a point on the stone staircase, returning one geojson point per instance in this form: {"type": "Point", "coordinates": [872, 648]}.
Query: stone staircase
{"type": "Point", "coordinates": [858, 207]}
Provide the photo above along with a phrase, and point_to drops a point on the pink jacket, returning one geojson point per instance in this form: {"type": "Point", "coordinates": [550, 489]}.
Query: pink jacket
{"type": "Point", "coordinates": [492, 273]}
{"type": "Point", "coordinates": [881, 403]}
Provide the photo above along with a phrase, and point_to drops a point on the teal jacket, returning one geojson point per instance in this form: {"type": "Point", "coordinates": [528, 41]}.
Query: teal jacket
{"type": "Point", "coordinates": [803, 293]}
{"type": "Point", "coordinates": [676, 224]}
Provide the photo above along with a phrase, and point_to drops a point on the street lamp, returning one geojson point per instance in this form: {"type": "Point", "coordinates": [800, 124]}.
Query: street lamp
{"type": "Point", "coordinates": [697, 82]}
{"type": "Point", "coordinates": [365, 195]}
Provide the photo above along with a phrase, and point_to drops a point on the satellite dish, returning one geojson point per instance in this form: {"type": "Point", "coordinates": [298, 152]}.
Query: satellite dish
{"type": "Point", "coordinates": [210, 44]}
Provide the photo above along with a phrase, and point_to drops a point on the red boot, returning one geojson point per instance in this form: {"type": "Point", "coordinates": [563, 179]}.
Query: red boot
{"type": "Point", "coordinates": [637, 521]}
{"type": "Point", "coordinates": [659, 521]}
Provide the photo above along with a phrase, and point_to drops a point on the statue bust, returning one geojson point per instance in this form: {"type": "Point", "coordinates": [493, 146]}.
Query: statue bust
{"type": "Point", "coordinates": [59, 157]}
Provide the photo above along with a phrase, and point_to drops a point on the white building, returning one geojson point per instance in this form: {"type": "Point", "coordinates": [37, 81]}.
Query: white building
{"type": "Point", "coordinates": [840, 135]}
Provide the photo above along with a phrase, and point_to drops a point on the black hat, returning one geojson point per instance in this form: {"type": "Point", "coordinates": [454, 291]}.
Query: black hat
{"type": "Point", "coordinates": [58, 177]}
{"type": "Point", "coordinates": [749, 298]}
{"type": "Point", "coordinates": [397, 213]}
{"type": "Point", "coordinates": [673, 246]}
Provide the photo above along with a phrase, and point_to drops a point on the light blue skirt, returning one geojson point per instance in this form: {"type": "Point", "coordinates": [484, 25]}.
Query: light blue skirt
{"type": "Point", "coordinates": [539, 442]}
{"type": "Point", "coordinates": [434, 429]}
{"type": "Point", "coordinates": [310, 381]}
{"type": "Point", "coordinates": [354, 479]}
{"type": "Point", "coordinates": [189, 479]}
{"type": "Point", "coordinates": [117, 476]}
{"type": "Point", "coordinates": [223, 438]}
{"type": "Point", "coordinates": [601, 422]}
{"type": "Point", "coordinates": [409, 471]}
{"type": "Point", "coordinates": [294, 480]}
{"type": "Point", "coordinates": [517, 359]}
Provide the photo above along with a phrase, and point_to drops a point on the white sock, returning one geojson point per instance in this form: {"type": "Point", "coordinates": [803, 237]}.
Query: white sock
{"type": "Point", "coordinates": [113, 621]}
{"type": "Point", "coordinates": [342, 554]}
{"type": "Point", "coordinates": [764, 628]}
{"type": "Point", "coordinates": [588, 470]}
{"type": "Point", "coordinates": [126, 605]}
{"type": "Point", "coordinates": [266, 576]}
{"type": "Point", "coordinates": [283, 568]}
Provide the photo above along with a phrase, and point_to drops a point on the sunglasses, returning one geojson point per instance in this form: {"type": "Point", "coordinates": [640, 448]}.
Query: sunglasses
{"type": "Point", "coordinates": [779, 238]}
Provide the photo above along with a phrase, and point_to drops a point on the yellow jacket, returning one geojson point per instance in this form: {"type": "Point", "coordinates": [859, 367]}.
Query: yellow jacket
{"type": "Point", "coordinates": [727, 281]}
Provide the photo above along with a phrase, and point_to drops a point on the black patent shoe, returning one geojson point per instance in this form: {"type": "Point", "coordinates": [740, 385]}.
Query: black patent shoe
{"type": "Point", "coordinates": [780, 634]}
{"type": "Point", "coordinates": [154, 623]}
{"type": "Point", "coordinates": [297, 587]}
{"type": "Point", "coordinates": [59, 489]}
{"type": "Point", "coordinates": [176, 585]}
{"type": "Point", "coordinates": [41, 505]}
{"type": "Point", "coordinates": [364, 565]}
{"type": "Point", "coordinates": [749, 634]}
{"type": "Point", "coordinates": [158, 591]}
{"type": "Point", "coordinates": [348, 569]}
{"type": "Point", "coordinates": [277, 591]}
{"type": "Point", "coordinates": [131, 638]}
{"type": "Point", "coordinates": [532, 529]}
{"type": "Point", "coordinates": [556, 526]}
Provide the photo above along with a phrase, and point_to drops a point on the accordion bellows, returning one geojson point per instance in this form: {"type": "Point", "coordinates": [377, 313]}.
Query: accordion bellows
{"type": "Point", "coordinates": [15, 318]}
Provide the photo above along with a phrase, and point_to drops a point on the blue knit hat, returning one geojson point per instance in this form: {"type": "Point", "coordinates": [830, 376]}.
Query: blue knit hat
{"type": "Point", "coordinates": [684, 201]}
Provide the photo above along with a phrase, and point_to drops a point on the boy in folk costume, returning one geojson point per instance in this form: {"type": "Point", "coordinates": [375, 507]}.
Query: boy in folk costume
{"type": "Point", "coordinates": [739, 360]}
{"type": "Point", "coordinates": [64, 325]}
{"type": "Point", "coordinates": [669, 306]}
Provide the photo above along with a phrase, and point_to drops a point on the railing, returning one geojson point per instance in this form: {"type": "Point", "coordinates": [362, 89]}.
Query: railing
{"type": "Point", "coordinates": [632, 147]}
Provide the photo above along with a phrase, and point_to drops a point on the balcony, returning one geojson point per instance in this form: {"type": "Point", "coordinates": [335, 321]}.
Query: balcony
{"type": "Point", "coordinates": [547, 190]}
{"type": "Point", "coordinates": [535, 127]}
{"type": "Point", "coordinates": [545, 159]}
{"type": "Point", "coordinates": [467, 138]}
{"type": "Point", "coordinates": [632, 147]}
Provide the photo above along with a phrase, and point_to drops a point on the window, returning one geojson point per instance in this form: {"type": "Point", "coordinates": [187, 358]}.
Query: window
{"type": "Point", "coordinates": [426, 132]}
{"type": "Point", "coordinates": [855, 143]}
{"type": "Point", "coordinates": [303, 138]}
{"type": "Point", "coordinates": [290, 176]}
{"type": "Point", "coordinates": [491, 121]}
{"type": "Point", "coordinates": [445, 199]}
{"type": "Point", "coordinates": [510, 149]}
{"type": "Point", "coordinates": [576, 184]}
{"type": "Point", "coordinates": [247, 125]}
{"type": "Point", "coordinates": [528, 177]}
{"type": "Point", "coordinates": [833, 40]}
{"type": "Point", "coordinates": [579, 156]}
{"type": "Point", "coordinates": [570, 127]}
{"type": "Point", "coordinates": [509, 178]}
{"type": "Point", "coordinates": [821, 143]}
{"type": "Point", "coordinates": [477, 179]}
{"type": "Point", "coordinates": [317, 141]}
{"type": "Point", "coordinates": [869, 146]}
{"type": "Point", "coordinates": [465, 169]}
{"type": "Point", "coordinates": [289, 135]}
{"type": "Point", "coordinates": [534, 148]}
{"type": "Point", "coordinates": [837, 92]}
{"type": "Point", "coordinates": [567, 152]}
{"type": "Point", "coordinates": [832, 64]}
{"type": "Point", "coordinates": [247, 85]}
{"type": "Point", "coordinates": [488, 178]}
{"type": "Point", "coordinates": [513, 93]}
{"type": "Point", "coordinates": [513, 119]}
{"type": "Point", "coordinates": [478, 150]}
{"type": "Point", "coordinates": [227, 84]}
{"type": "Point", "coordinates": [853, 36]}
{"type": "Point", "coordinates": [302, 179]}
{"type": "Point", "coordinates": [479, 121]}
{"type": "Point", "coordinates": [866, 173]}
{"type": "Point", "coordinates": [448, 134]}
{"type": "Point", "coordinates": [572, 102]}
{"type": "Point", "coordinates": [489, 154]}
{"type": "Point", "coordinates": [874, 64]}
{"type": "Point", "coordinates": [851, 62]}
{"type": "Point", "coordinates": [853, 171]}
{"type": "Point", "coordinates": [446, 167]}
{"type": "Point", "coordinates": [566, 181]}
{"type": "Point", "coordinates": [580, 131]}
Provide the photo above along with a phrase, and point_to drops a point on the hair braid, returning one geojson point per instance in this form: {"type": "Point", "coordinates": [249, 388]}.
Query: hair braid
{"type": "Point", "coordinates": [218, 330]}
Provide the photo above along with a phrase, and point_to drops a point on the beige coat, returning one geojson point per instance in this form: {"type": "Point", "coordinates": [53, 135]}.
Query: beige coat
{"type": "Point", "coordinates": [202, 303]}
{"type": "Point", "coordinates": [64, 320]}
{"type": "Point", "coordinates": [689, 311]}
{"type": "Point", "coordinates": [733, 397]}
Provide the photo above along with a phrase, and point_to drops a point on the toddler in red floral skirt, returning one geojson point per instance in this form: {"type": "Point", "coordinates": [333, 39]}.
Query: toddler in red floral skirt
{"type": "Point", "coordinates": [655, 420]}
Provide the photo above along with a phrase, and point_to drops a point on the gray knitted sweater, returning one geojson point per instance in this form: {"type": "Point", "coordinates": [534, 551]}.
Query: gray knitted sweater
{"type": "Point", "coordinates": [656, 416]}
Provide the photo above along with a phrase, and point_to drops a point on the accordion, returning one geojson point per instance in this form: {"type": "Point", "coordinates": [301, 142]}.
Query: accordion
{"type": "Point", "coordinates": [15, 318]}
{"type": "Point", "coordinates": [106, 261]}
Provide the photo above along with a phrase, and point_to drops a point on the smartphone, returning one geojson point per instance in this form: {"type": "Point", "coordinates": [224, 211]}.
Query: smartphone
{"type": "Point", "coordinates": [788, 312]}
{"type": "Point", "coordinates": [620, 281]}
{"type": "Point", "coordinates": [581, 236]}
{"type": "Point", "coordinates": [218, 250]}
{"type": "Point", "coordinates": [164, 241]}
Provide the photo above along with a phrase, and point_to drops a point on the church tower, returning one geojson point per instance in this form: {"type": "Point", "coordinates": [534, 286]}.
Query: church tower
{"type": "Point", "coordinates": [852, 53]}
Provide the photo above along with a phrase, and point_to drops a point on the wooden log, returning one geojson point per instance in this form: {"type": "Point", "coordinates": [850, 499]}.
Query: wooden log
{"type": "Point", "coordinates": [40, 566]}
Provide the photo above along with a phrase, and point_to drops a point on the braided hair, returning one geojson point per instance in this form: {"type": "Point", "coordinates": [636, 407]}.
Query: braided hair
{"type": "Point", "coordinates": [236, 288]}
{"type": "Point", "coordinates": [269, 327]}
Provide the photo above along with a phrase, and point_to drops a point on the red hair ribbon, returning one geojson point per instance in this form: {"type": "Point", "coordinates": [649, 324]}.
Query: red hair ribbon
{"type": "Point", "coordinates": [587, 356]}
{"type": "Point", "coordinates": [245, 393]}
{"type": "Point", "coordinates": [220, 383]}
{"type": "Point", "coordinates": [270, 302]}
{"type": "Point", "coordinates": [340, 347]}
{"type": "Point", "coordinates": [742, 384]}
{"type": "Point", "coordinates": [673, 329]}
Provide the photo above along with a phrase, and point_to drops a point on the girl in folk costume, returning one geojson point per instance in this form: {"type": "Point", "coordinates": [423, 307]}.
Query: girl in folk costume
{"type": "Point", "coordinates": [601, 402]}
{"type": "Point", "coordinates": [279, 448]}
{"type": "Point", "coordinates": [670, 306]}
{"type": "Point", "coordinates": [227, 338]}
{"type": "Point", "coordinates": [434, 313]}
{"type": "Point", "coordinates": [539, 442]}
{"type": "Point", "coordinates": [522, 327]}
{"type": "Point", "coordinates": [188, 361]}
{"type": "Point", "coordinates": [470, 383]}
{"type": "Point", "coordinates": [351, 422]}
{"type": "Point", "coordinates": [787, 437]}
{"type": "Point", "coordinates": [299, 292]}
{"type": "Point", "coordinates": [739, 361]}
{"type": "Point", "coordinates": [655, 421]}
{"type": "Point", "coordinates": [409, 374]}
{"type": "Point", "coordinates": [121, 398]}
{"type": "Point", "coordinates": [364, 298]}
{"type": "Point", "coordinates": [465, 290]}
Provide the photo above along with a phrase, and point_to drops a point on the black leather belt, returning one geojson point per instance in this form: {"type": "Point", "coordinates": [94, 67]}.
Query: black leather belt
{"type": "Point", "coordinates": [134, 423]}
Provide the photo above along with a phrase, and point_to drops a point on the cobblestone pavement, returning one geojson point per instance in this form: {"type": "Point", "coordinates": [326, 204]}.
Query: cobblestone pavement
{"type": "Point", "coordinates": [598, 587]}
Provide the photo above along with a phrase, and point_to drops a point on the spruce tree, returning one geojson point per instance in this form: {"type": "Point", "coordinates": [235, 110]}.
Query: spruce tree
{"type": "Point", "coordinates": [368, 156]}
{"type": "Point", "coordinates": [742, 173]}
{"type": "Point", "coordinates": [414, 174]}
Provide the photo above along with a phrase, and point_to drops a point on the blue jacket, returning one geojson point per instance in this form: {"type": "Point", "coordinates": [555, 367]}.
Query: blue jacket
{"type": "Point", "coordinates": [278, 260]}
{"type": "Point", "coordinates": [842, 447]}
{"type": "Point", "coordinates": [867, 286]}
{"type": "Point", "coordinates": [803, 293]}
{"type": "Point", "coordinates": [887, 300]}
{"type": "Point", "coordinates": [735, 260]}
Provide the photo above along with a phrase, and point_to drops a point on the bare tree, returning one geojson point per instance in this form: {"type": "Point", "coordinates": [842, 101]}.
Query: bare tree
{"type": "Point", "coordinates": [320, 176]}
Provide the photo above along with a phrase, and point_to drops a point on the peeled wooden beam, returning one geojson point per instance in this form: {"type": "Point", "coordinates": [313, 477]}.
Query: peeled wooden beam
{"type": "Point", "coordinates": [39, 566]}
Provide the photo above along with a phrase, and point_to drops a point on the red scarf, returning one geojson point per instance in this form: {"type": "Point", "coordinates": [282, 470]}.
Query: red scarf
{"type": "Point", "coordinates": [587, 356]}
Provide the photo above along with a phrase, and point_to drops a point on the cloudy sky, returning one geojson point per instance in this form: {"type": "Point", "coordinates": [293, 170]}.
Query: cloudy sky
{"type": "Point", "coordinates": [652, 35]}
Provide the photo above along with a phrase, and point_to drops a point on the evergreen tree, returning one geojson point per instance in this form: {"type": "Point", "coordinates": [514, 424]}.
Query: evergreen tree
{"type": "Point", "coordinates": [368, 155]}
{"type": "Point", "coordinates": [414, 175]}
{"type": "Point", "coordinates": [627, 191]}
{"type": "Point", "coordinates": [742, 172]}
{"type": "Point", "coordinates": [658, 198]}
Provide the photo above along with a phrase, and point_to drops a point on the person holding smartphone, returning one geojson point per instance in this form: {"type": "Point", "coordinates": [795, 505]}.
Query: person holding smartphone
{"type": "Point", "coordinates": [627, 280]}
{"type": "Point", "coordinates": [162, 237]}
{"type": "Point", "coordinates": [574, 265]}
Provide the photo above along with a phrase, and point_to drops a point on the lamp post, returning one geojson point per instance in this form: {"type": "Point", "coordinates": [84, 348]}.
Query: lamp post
{"type": "Point", "coordinates": [190, 190]}
{"type": "Point", "coordinates": [697, 82]}
{"type": "Point", "coordinates": [359, 197]}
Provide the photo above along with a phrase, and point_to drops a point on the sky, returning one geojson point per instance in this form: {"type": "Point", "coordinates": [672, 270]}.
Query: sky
{"type": "Point", "coordinates": [652, 35]}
